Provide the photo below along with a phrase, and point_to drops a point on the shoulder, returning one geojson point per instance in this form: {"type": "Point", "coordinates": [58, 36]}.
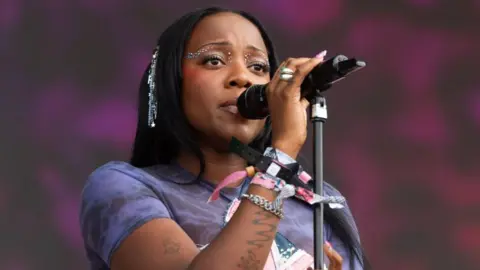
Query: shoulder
{"type": "Point", "coordinates": [119, 176]}
{"type": "Point", "coordinates": [115, 170]}
{"type": "Point", "coordinates": [113, 178]}
{"type": "Point", "coordinates": [330, 190]}
{"type": "Point", "coordinates": [117, 199]}
{"type": "Point", "coordinates": [118, 187]}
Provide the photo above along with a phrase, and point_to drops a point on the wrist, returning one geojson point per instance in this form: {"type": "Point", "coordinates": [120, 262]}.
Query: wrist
{"type": "Point", "coordinates": [291, 149]}
{"type": "Point", "coordinates": [269, 194]}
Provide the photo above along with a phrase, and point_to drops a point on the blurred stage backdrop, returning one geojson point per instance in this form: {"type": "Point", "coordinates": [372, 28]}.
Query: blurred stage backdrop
{"type": "Point", "coordinates": [402, 138]}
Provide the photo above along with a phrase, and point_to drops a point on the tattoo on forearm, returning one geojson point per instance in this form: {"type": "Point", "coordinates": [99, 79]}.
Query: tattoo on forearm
{"type": "Point", "coordinates": [250, 262]}
{"type": "Point", "coordinates": [266, 232]}
{"type": "Point", "coordinates": [170, 246]}
{"type": "Point", "coordinates": [266, 235]}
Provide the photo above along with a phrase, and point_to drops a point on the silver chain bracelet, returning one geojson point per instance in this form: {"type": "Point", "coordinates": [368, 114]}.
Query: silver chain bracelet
{"type": "Point", "coordinates": [265, 204]}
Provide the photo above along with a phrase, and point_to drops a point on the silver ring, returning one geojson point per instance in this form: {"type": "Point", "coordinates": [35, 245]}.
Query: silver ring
{"type": "Point", "coordinates": [285, 76]}
{"type": "Point", "coordinates": [285, 70]}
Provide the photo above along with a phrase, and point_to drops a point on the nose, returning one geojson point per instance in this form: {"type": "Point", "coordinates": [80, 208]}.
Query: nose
{"type": "Point", "coordinates": [239, 77]}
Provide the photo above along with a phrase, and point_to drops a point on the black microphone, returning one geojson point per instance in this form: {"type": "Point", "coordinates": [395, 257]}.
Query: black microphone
{"type": "Point", "coordinates": [252, 103]}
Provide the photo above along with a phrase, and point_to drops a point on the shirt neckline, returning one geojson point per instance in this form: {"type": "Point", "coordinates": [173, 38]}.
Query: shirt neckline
{"type": "Point", "coordinates": [174, 172]}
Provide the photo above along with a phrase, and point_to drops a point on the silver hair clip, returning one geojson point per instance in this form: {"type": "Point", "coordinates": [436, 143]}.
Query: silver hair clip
{"type": "Point", "coordinates": [152, 93]}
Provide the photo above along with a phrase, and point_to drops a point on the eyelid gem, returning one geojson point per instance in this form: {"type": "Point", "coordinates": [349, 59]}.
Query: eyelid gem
{"type": "Point", "coordinates": [196, 54]}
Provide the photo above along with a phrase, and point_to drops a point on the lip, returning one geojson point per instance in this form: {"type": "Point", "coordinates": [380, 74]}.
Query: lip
{"type": "Point", "coordinates": [230, 108]}
{"type": "Point", "coordinates": [231, 102]}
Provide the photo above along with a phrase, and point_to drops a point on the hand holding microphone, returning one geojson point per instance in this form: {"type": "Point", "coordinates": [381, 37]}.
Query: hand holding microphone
{"type": "Point", "coordinates": [293, 85]}
{"type": "Point", "coordinates": [286, 106]}
{"type": "Point", "coordinates": [252, 103]}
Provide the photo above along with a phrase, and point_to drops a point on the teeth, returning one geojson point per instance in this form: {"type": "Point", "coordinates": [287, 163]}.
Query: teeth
{"type": "Point", "coordinates": [231, 108]}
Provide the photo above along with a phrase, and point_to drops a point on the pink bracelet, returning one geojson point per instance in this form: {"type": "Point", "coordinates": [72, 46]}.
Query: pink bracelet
{"type": "Point", "coordinates": [259, 178]}
{"type": "Point", "coordinates": [273, 183]}
{"type": "Point", "coordinates": [268, 182]}
{"type": "Point", "coordinates": [230, 179]}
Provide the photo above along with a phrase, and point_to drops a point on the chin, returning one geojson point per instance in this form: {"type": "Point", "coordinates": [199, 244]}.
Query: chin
{"type": "Point", "coordinates": [244, 135]}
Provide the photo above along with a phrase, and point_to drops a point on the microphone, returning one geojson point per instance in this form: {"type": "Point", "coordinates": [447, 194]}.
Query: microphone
{"type": "Point", "coordinates": [252, 103]}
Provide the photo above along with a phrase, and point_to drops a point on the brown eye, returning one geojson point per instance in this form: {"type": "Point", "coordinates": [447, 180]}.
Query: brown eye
{"type": "Point", "coordinates": [212, 60]}
{"type": "Point", "coordinates": [260, 67]}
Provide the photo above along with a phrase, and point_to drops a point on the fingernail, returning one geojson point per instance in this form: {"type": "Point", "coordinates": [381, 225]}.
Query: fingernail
{"type": "Point", "coordinates": [330, 248]}
{"type": "Point", "coordinates": [322, 54]}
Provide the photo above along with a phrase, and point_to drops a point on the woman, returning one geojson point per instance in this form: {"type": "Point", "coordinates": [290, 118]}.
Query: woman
{"type": "Point", "coordinates": [152, 213]}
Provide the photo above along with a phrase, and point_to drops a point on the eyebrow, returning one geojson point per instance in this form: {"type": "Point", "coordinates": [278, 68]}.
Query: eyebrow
{"type": "Point", "coordinates": [226, 43]}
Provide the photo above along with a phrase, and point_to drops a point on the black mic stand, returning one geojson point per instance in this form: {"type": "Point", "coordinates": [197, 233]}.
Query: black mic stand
{"type": "Point", "coordinates": [320, 79]}
{"type": "Point", "coordinates": [318, 117]}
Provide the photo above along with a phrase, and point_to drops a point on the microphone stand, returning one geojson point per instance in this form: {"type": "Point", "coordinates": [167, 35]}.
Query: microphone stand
{"type": "Point", "coordinates": [317, 83]}
{"type": "Point", "coordinates": [320, 79]}
{"type": "Point", "coordinates": [318, 117]}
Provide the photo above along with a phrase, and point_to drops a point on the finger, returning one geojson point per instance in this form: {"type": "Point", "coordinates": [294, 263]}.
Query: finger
{"type": "Point", "coordinates": [293, 62]}
{"type": "Point", "coordinates": [335, 258]}
{"type": "Point", "coordinates": [305, 103]}
{"type": "Point", "coordinates": [290, 63]}
{"type": "Point", "coordinates": [302, 70]}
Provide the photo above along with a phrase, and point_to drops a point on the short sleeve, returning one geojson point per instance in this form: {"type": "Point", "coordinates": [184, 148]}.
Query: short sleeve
{"type": "Point", "coordinates": [114, 204]}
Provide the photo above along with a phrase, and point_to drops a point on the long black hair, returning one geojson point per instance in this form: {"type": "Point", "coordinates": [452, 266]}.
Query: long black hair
{"type": "Point", "coordinates": [172, 132]}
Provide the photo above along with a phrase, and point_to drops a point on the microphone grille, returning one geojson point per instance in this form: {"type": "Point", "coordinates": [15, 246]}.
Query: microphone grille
{"type": "Point", "coordinates": [252, 103]}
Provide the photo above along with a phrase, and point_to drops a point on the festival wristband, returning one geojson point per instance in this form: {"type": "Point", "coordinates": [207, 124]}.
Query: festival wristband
{"type": "Point", "coordinates": [289, 162]}
{"type": "Point", "coordinates": [230, 179]}
{"type": "Point", "coordinates": [272, 163]}
{"type": "Point", "coordinates": [274, 207]}
{"type": "Point", "coordinates": [268, 182]}
{"type": "Point", "coordinates": [258, 179]}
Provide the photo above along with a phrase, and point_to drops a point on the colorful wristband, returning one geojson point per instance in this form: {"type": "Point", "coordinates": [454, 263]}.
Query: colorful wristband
{"type": "Point", "coordinates": [268, 181]}
{"type": "Point", "coordinates": [230, 179]}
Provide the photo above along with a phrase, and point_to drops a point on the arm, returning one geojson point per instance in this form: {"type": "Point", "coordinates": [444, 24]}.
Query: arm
{"type": "Point", "coordinates": [129, 227]}
{"type": "Point", "coordinates": [244, 243]}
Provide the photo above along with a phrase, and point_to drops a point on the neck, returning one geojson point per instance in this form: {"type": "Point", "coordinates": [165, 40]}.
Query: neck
{"type": "Point", "coordinates": [217, 165]}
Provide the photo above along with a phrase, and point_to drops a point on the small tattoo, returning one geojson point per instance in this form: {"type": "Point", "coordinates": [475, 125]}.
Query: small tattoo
{"type": "Point", "coordinates": [250, 262]}
{"type": "Point", "coordinates": [170, 246]}
{"type": "Point", "coordinates": [267, 234]}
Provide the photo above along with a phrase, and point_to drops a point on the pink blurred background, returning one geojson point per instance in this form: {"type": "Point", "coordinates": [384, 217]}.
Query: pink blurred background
{"type": "Point", "coordinates": [401, 138]}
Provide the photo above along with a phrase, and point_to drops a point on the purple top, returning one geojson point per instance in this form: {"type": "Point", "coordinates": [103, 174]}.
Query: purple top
{"type": "Point", "coordinates": [118, 198]}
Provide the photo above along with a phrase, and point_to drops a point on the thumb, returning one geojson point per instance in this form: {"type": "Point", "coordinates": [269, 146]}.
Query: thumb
{"type": "Point", "coordinates": [305, 103]}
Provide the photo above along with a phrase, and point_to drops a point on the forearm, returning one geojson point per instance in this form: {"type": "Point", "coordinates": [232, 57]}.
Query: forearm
{"type": "Point", "coordinates": [245, 241]}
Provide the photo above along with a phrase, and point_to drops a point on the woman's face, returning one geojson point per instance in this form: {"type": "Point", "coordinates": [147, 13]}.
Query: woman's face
{"type": "Point", "coordinates": [225, 55]}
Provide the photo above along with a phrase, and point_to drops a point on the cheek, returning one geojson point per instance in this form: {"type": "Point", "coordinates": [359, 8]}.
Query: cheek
{"type": "Point", "coordinates": [198, 93]}
{"type": "Point", "coordinates": [197, 86]}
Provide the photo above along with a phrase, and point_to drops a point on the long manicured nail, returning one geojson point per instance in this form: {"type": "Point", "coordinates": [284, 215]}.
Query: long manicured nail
{"type": "Point", "coordinates": [329, 245]}
{"type": "Point", "coordinates": [322, 54]}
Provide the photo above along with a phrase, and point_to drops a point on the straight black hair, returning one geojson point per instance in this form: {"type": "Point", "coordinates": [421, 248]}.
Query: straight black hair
{"type": "Point", "coordinates": [172, 132]}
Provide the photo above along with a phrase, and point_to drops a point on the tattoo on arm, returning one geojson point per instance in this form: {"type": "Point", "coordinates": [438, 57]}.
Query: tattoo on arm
{"type": "Point", "coordinates": [250, 262]}
{"type": "Point", "coordinates": [170, 246]}
{"type": "Point", "coordinates": [266, 235]}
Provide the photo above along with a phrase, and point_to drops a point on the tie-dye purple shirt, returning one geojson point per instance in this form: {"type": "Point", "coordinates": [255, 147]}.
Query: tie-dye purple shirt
{"type": "Point", "coordinates": [118, 198]}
